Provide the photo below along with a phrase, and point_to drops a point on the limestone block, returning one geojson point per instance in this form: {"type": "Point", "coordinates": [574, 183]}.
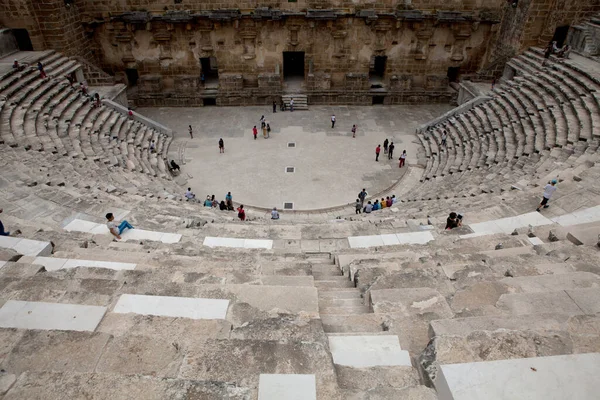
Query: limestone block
{"type": "Point", "coordinates": [411, 302]}
{"type": "Point", "coordinates": [50, 316]}
{"type": "Point", "coordinates": [287, 386]}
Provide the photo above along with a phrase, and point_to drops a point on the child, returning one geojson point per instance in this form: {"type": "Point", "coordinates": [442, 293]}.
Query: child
{"type": "Point", "coordinates": [254, 132]}
{"type": "Point", "coordinates": [241, 213]}
{"type": "Point", "coordinates": [115, 229]}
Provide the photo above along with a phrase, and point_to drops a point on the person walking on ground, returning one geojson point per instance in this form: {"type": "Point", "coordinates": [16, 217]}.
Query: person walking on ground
{"type": "Point", "coordinates": [268, 131]}
{"type": "Point", "coordinates": [40, 67]}
{"type": "Point", "coordinates": [241, 213]}
{"type": "Point", "coordinates": [391, 151]}
{"type": "Point", "coordinates": [274, 213]}
{"type": "Point", "coordinates": [362, 196]}
{"type": "Point", "coordinates": [274, 107]}
{"type": "Point", "coordinates": [385, 146]}
{"type": "Point", "coordinates": [353, 131]}
{"type": "Point", "coordinates": [377, 151]}
{"type": "Point", "coordinates": [221, 146]}
{"type": "Point", "coordinates": [116, 229]}
{"type": "Point", "coordinates": [254, 132]}
{"type": "Point", "coordinates": [444, 137]}
{"type": "Point", "coordinates": [332, 121]}
{"type": "Point", "coordinates": [291, 105]}
{"type": "Point", "coordinates": [358, 206]}
{"type": "Point", "coordinates": [190, 131]}
{"type": "Point", "coordinates": [549, 190]}
{"type": "Point", "coordinates": [402, 159]}
{"type": "Point", "coordinates": [229, 201]}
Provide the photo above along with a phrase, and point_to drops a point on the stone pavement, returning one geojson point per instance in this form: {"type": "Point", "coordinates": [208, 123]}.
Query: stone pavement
{"type": "Point", "coordinates": [330, 166]}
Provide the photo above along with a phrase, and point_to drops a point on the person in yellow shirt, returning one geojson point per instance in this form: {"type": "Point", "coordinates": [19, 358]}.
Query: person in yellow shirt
{"type": "Point", "coordinates": [383, 203]}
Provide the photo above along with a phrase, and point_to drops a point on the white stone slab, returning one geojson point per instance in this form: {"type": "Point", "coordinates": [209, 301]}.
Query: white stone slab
{"type": "Point", "coordinates": [53, 264]}
{"type": "Point", "coordinates": [587, 215]}
{"type": "Point", "coordinates": [415, 237]}
{"type": "Point", "coordinates": [474, 235]}
{"type": "Point", "coordinates": [390, 239]}
{"type": "Point", "coordinates": [509, 224]}
{"type": "Point", "coordinates": [287, 387]}
{"type": "Point", "coordinates": [211, 241]}
{"type": "Point", "coordinates": [26, 247]}
{"type": "Point", "coordinates": [50, 316]}
{"type": "Point", "coordinates": [183, 307]}
{"type": "Point", "coordinates": [258, 244]}
{"type": "Point", "coordinates": [358, 242]}
{"type": "Point", "coordinates": [80, 225]}
{"type": "Point", "coordinates": [573, 376]}
{"type": "Point", "coordinates": [368, 351]}
{"type": "Point", "coordinates": [535, 240]}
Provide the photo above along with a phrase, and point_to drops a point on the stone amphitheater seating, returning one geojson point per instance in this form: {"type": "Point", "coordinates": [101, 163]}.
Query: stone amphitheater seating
{"type": "Point", "coordinates": [326, 305]}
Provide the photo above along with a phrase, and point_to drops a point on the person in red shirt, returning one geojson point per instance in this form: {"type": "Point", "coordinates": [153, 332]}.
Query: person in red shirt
{"type": "Point", "coordinates": [254, 132]}
{"type": "Point", "coordinates": [388, 201]}
{"type": "Point", "coordinates": [241, 213]}
{"type": "Point", "coordinates": [377, 151]}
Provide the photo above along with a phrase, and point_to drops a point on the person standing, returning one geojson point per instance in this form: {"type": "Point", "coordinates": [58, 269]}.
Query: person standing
{"type": "Point", "coordinates": [274, 107]}
{"type": "Point", "coordinates": [402, 159]}
{"type": "Point", "coordinates": [291, 105]}
{"type": "Point", "coordinates": [268, 131]}
{"type": "Point", "coordinates": [377, 151]}
{"type": "Point", "coordinates": [444, 137]}
{"type": "Point", "coordinates": [40, 67]}
{"type": "Point", "coordinates": [190, 131]}
{"type": "Point", "coordinates": [332, 121]}
{"type": "Point", "coordinates": [241, 213]}
{"type": "Point", "coordinates": [391, 151]}
{"type": "Point", "coordinates": [254, 132]}
{"type": "Point", "coordinates": [221, 146]}
{"type": "Point", "coordinates": [264, 130]}
{"type": "Point", "coordinates": [358, 206]}
{"type": "Point", "coordinates": [549, 190]}
{"type": "Point", "coordinates": [262, 121]}
{"type": "Point", "coordinates": [229, 201]}
{"type": "Point", "coordinates": [353, 131]}
{"type": "Point", "coordinates": [385, 146]}
{"type": "Point", "coordinates": [362, 196]}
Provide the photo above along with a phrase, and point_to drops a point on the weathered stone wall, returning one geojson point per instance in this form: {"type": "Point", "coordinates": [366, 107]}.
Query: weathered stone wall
{"type": "Point", "coordinates": [249, 53]}
{"type": "Point", "coordinates": [19, 14]}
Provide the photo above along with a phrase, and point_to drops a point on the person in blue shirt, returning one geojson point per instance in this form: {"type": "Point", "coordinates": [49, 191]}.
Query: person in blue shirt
{"type": "Point", "coordinates": [229, 201]}
{"type": "Point", "coordinates": [208, 202]}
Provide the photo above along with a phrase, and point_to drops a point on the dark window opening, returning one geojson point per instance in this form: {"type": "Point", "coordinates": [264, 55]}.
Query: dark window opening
{"type": "Point", "coordinates": [453, 74]}
{"type": "Point", "coordinates": [210, 70]}
{"type": "Point", "coordinates": [378, 100]}
{"type": "Point", "coordinates": [132, 76]}
{"type": "Point", "coordinates": [209, 102]}
{"type": "Point", "coordinates": [23, 39]}
{"type": "Point", "coordinates": [377, 66]}
{"type": "Point", "coordinates": [560, 35]}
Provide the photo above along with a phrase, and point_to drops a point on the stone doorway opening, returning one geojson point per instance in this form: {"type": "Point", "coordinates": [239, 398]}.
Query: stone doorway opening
{"type": "Point", "coordinates": [293, 69]}
{"type": "Point", "coordinates": [210, 70]}
{"type": "Point", "coordinates": [132, 76]}
{"type": "Point", "coordinates": [560, 35]}
{"type": "Point", "coordinates": [23, 39]}
{"type": "Point", "coordinates": [453, 74]}
{"type": "Point", "coordinates": [377, 71]}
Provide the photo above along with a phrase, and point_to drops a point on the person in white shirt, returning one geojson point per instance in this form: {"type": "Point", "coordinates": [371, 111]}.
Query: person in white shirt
{"type": "Point", "coordinates": [394, 199]}
{"type": "Point", "coordinates": [332, 121]}
{"type": "Point", "coordinates": [368, 208]}
{"type": "Point", "coordinates": [274, 213]}
{"type": "Point", "coordinates": [189, 195]}
{"type": "Point", "coordinates": [549, 190]}
{"type": "Point", "coordinates": [115, 228]}
{"type": "Point", "coordinates": [291, 105]}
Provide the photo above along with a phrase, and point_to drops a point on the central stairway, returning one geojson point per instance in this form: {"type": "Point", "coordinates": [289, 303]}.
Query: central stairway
{"type": "Point", "coordinates": [300, 101]}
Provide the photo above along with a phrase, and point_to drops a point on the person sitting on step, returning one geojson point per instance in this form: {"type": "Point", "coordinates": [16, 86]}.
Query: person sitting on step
{"type": "Point", "coordinates": [116, 229]}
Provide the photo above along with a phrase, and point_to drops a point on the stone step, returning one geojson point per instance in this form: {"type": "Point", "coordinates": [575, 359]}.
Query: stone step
{"type": "Point", "coordinates": [352, 323]}
{"type": "Point", "coordinates": [368, 351]}
{"type": "Point", "coordinates": [351, 293]}
{"type": "Point", "coordinates": [570, 302]}
{"type": "Point", "coordinates": [380, 376]}
{"type": "Point", "coordinates": [333, 284]}
{"type": "Point", "coordinates": [323, 276]}
{"type": "Point", "coordinates": [345, 310]}
{"type": "Point", "coordinates": [329, 302]}
{"type": "Point", "coordinates": [387, 392]}
{"type": "Point", "coordinates": [547, 283]}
